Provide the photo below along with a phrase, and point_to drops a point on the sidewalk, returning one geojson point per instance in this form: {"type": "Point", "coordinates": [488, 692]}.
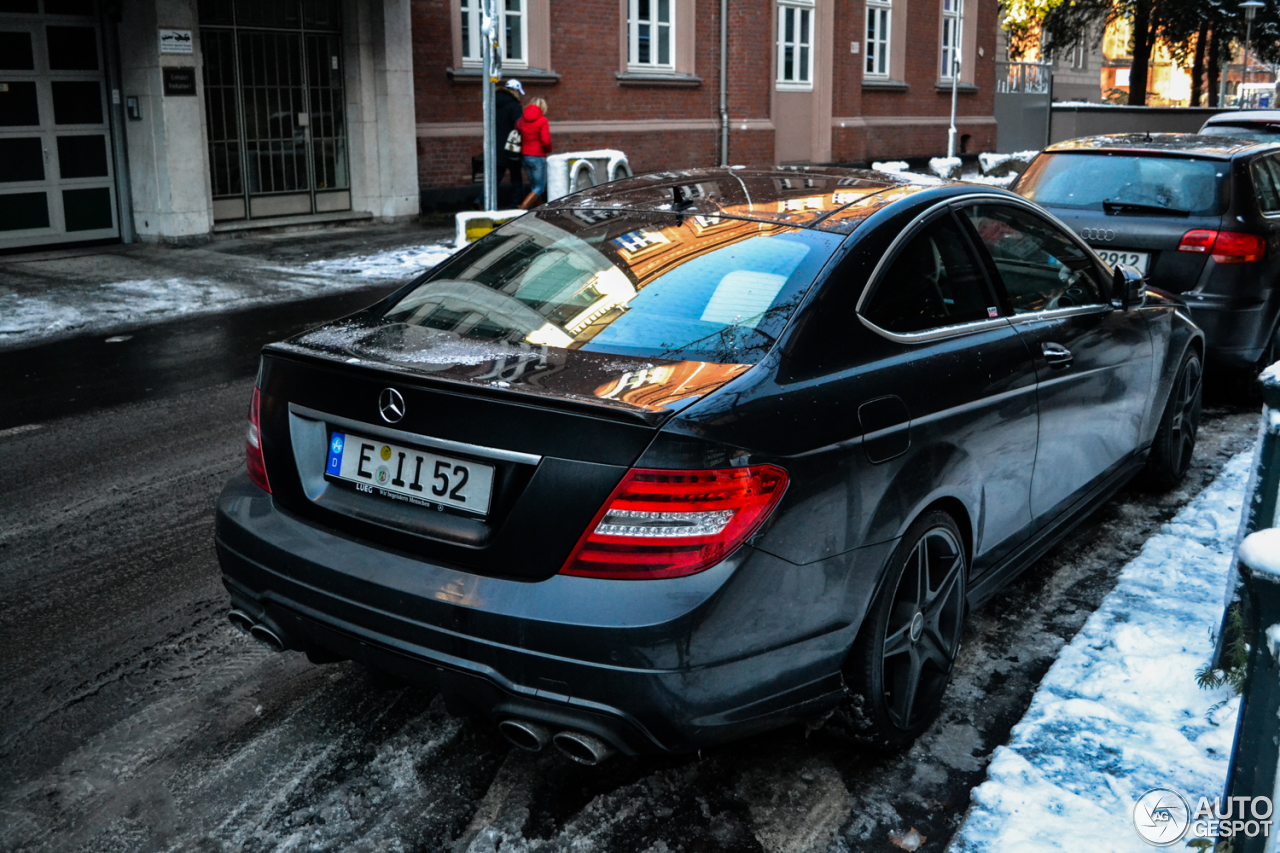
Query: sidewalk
{"type": "Point", "coordinates": [1119, 712]}
{"type": "Point", "coordinates": [48, 294]}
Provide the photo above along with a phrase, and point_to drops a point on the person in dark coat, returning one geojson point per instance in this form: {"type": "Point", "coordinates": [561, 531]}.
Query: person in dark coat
{"type": "Point", "coordinates": [507, 112]}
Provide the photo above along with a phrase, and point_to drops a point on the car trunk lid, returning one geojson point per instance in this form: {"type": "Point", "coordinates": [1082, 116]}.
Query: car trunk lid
{"type": "Point", "coordinates": [551, 431]}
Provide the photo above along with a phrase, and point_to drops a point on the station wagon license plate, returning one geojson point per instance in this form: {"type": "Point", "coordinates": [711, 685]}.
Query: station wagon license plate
{"type": "Point", "coordinates": [408, 474]}
{"type": "Point", "coordinates": [1137, 260]}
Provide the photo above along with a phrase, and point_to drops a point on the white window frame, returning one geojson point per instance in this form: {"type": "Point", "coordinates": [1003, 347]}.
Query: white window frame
{"type": "Point", "coordinates": [798, 11]}
{"type": "Point", "coordinates": [952, 15]}
{"type": "Point", "coordinates": [471, 47]}
{"type": "Point", "coordinates": [879, 39]}
{"type": "Point", "coordinates": [658, 30]}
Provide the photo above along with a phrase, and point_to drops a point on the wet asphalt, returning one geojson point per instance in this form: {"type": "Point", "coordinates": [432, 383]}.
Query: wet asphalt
{"type": "Point", "coordinates": [135, 718]}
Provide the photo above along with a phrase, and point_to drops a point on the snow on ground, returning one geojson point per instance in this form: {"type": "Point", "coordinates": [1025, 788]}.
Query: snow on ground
{"type": "Point", "coordinates": [1120, 712]}
{"type": "Point", "coordinates": [397, 263]}
{"type": "Point", "coordinates": [79, 306]}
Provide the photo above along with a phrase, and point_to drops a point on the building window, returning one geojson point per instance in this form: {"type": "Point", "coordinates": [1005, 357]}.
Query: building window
{"type": "Point", "coordinates": [950, 36]}
{"type": "Point", "coordinates": [795, 46]}
{"type": "Point", "coordinates": [512, 33]}
{"type": "Point", "coordinates": [650, 40]}
{"type": "Point", "coordinates": [879, 13]}
{"type": "Point", "coordinates": [1077, 57]}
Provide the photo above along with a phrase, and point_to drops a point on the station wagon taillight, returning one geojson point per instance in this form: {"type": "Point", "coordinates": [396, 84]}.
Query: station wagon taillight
{"type": "Point", "coordinates": [253, 446]}
{"type": "Point", "coordinates": [667, 524]}
{"type": "Point", "coordinates": [1227, 247]}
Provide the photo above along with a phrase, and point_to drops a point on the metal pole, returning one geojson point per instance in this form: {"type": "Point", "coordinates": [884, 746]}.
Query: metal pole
{"type": "Point", "coordinates": [1222, 76]}
{"type": "Point", "coordinates": [955, 76]}
{"type": "Point", "coordinates": [724, 83]}
{"type": "Point", "coordinates": [489, 33]}
{"type": "Point", "coordinates": [1244, 69]}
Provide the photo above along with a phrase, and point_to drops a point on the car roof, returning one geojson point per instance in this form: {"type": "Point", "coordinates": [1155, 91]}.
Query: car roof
{"type": "Point", "coordinates": [1189, 144]}
{"type": "Point", "coordinates": [824, 198]}
{"type": "Point", "coordinates": [1245, 117]}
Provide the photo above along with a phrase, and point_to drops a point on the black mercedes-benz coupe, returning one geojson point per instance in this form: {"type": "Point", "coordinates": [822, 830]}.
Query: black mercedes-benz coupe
{"type": "Point", "coordinates": [690, 456]}
{"type": "Point", "coordinates": [1198, 215]}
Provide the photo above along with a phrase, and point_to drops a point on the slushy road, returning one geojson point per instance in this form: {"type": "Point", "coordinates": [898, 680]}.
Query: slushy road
{"type": "Point", "coordinates": [135, 718]}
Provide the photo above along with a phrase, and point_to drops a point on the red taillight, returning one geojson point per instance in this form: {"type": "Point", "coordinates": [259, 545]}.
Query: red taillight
{"type": "Point", "coordinates": [667, 524]}
{"type": "Point", "coordinates": [253, 447]}
{"type": "Point", "coordinates": [1232, 247]}
{"type": "Point", "coordinates": [1197, 241]}
{"type": "Point", "coordinates": [1228, 247]}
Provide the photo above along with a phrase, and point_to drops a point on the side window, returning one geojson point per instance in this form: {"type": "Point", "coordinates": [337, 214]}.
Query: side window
{"type": "Point", "coordinates": [933, 281]}
{"type": "Point", "coordinates": [1266, 181]}
{"type": "Point", "coordinates": [1041, 267]}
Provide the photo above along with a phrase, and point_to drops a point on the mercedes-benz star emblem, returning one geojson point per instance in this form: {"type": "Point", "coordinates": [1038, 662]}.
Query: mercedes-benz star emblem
{"type": "Point", "coordinates": [391, 405]}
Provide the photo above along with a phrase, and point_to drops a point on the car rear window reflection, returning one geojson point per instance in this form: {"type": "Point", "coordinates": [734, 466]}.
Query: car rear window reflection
{"type": "Point", "coordinates": [666, 286]}
{"type": "Point", "coordinates": [1086, 181]}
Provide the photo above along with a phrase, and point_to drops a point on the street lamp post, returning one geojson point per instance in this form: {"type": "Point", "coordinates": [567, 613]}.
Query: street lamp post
{"type": "Point", "coordinates": [957, 42]}
{"type": "Point", "coordinates": [492, 64]}
{"type": "Point", "coordinates": [1251, 8]}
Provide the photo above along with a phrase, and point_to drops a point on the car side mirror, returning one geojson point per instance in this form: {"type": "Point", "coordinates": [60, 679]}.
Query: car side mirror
{"type": "Point", "coordinates": [1128, 288]}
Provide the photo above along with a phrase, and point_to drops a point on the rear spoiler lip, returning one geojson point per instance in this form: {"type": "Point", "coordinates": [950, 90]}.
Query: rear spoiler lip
{"type": "Point", "coordinates": [602, 409]}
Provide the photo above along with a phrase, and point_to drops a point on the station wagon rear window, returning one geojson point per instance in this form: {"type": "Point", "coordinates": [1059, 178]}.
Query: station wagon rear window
{"type": "Point", "coordinates": [1181, 185]}
{"type": "Point", "coordinates": [668, 286]}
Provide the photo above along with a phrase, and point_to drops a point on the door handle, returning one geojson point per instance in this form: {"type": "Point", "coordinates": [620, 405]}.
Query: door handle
{"type": "Point", "coordinates": [1057, 355]}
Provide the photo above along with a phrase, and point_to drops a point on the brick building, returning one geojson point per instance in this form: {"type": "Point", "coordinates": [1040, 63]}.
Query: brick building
{"type": "Point", "coordinates": [809, 81]}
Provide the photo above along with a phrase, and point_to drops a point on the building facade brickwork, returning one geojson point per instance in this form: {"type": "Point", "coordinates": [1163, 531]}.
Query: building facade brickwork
{"type": "Point", "coordinates": [576, 56]}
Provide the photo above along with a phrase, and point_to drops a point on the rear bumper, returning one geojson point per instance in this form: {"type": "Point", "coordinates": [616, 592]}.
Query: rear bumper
{"type": "Point", "coordinates": [665, 665]}
{"type": "Point", "coordinates": [1236, 329]}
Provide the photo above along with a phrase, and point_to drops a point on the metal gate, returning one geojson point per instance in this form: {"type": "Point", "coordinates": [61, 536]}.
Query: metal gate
{"type": "Point", "coordinates": [56, 176]}
{"type": "Point", "coordinates": [1023, 94]}
{"type": "Point", "coordinates": [274, 103]}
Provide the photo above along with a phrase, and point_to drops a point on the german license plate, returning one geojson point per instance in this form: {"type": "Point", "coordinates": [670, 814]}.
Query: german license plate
{"type": "Point", "coordinates": [408, 474]}
{"type": "Point", "coordinates": [1137, 260]}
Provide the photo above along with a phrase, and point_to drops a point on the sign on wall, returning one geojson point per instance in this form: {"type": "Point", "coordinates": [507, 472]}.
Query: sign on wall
{"type": "Point", "coordinates": [175, 41]}
{"type": "Point", "coordinates": [179, 81]}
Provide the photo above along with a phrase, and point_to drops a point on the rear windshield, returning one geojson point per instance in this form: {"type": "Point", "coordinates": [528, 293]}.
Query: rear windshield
{"type": "Point", "coordinates": [700, 288]}
{"type": "Point", "coordinates": [1266, 132]}
{"type": "Point", "coordinates": [1085, 181]}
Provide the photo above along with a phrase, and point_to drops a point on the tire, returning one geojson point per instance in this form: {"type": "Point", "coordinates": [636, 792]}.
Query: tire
{"type": "Point", "coordinates": [1175, 441]}
{"type": "Point", "coordinates": [898, 668]}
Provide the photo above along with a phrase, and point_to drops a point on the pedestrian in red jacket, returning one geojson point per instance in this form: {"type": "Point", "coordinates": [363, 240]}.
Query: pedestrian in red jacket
{"type": "Point", "coordinates": [535, 145]}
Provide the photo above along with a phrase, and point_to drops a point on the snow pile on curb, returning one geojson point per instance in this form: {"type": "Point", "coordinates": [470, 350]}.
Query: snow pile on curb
{"type": "Point", "coordinates": [947, 168]}
{"type": "Point", "coordinates": [397, 263]}
{"type": "Point", "coordinates": [1119, 712]}
{"type": "Point", "coordinates": [893, 167]}
{"type": "Point", "coordinates": [72, 308]}
{"type": "Point", "coordinates": [990, 180]}
{"type": "Point", "coordinates": [999, 165]}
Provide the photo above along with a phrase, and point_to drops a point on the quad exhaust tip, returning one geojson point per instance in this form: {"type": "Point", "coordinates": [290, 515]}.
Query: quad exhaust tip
{"type": "Point", "coordinates": [582, 748]}
{"type": "Point", "coordinates": [260, 631]}
{"type": "Point", "coordinates": [267, 637]}
{"type": "Point", "coordinates": [241, 620]}
{"type": "Point", "coordinates": [524, 734]}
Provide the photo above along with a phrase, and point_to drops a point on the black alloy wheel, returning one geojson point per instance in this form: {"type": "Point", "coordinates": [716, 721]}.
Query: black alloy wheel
{"type": "Point", "coordinates": [901, 663]}
{"type": "Point", "coordinates": [1175, 441]}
